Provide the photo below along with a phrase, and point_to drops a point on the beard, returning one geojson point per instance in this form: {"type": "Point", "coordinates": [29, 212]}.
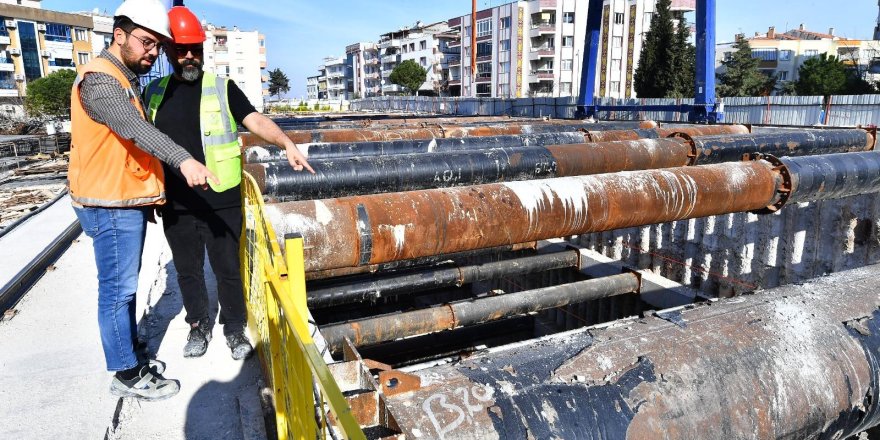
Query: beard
{"type": "Point", "coordinates": [188, 70]}
{"type": "Point", "coordinates": [138, 65]}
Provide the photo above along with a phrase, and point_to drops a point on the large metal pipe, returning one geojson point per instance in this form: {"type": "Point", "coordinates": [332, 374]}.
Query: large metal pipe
{"type": "Point", "coordinates": [793, 362]}
{"type": "Point", "coordinates": [726, 148]}
{"type": "Point", "coordinates": [665, 131]}
{"type": "Point", "coordinates": [325, 150]}
{"type": "Point", "coordinates": [362, 230]}
{"type": "Point", "coordinates": [309, 136]}
{"type": "Point", "coordinates": [372, 290]}
{"type": "Point", "coordinates": [379, 174]}
{"type": "Point", "coordinates": [384, 328]}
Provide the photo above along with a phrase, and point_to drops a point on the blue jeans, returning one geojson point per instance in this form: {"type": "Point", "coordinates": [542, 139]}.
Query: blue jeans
{"type": "Point", "coordinates": [118, 238]}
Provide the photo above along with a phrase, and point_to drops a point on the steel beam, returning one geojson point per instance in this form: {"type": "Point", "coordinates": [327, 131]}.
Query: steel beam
{"type": "Point", "coordinates": [363, 230]}
{"type": "Point", "coordinates": [384, 328]}
{"type": "Point", "coordinates": [793, 362]}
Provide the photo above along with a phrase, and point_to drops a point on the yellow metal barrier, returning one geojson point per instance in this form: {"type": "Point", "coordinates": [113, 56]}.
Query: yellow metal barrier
{"type": "Point", "coordinates": [274, 287]}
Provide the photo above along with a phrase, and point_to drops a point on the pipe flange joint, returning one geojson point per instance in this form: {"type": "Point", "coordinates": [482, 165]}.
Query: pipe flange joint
{"type": "Point", "coordinates": [784, 185]}
{"type": "Point", "coordinates": [694, 153]}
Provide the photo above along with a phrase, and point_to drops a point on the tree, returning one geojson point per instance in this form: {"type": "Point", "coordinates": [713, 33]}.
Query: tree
{"type": "Point", "coordinates": [685, 62]}
{"type": "Point", "coordinates": [656, 77]}
{"type": "Point", "coordinates": [278, 83]}
{"type": "Point", "coordinates": [821, 76]}
{"type": "Point", "coordinates": [50, 95]}
{"type": "Point", "coordinates": [409, 75]}
{"type": "Point", "coordinates": [741, 76]}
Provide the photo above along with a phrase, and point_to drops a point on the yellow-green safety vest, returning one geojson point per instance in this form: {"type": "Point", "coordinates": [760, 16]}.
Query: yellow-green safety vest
{"type": "Point", "coordinates": [218, 128]}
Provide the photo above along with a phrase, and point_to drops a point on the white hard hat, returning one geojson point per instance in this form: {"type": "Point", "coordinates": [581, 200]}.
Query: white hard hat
{"type": "Point", "coordinates": [150, 14]}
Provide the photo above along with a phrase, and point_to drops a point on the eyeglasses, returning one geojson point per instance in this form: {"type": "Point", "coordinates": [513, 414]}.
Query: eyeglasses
{"type": "Point", "coordinates": [148, 43]}
{"type": "Point", "coordinates": [182, 49]}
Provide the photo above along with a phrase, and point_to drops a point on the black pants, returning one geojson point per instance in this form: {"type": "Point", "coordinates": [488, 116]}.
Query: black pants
{"type": "Point", "coordinates": [188, 235]}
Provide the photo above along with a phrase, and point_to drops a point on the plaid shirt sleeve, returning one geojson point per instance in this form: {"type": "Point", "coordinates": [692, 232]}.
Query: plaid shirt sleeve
{"type": "Point", "coordinates": [106, 102]}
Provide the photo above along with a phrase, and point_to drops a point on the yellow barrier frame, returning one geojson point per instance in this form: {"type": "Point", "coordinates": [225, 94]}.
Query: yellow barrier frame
{"type": "Point", "coordinates": [274, 285]}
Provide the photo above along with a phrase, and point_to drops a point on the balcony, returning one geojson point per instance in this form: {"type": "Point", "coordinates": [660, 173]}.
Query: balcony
{"type": "Point", "coordinates": [8, 84]}
{"type": "Point", "coordinates": [336, 87]}
{"type": "Point", "coordinates": [541, 75]}
{"type": "Point", "coordinates": [331, 75]}
{"type": "Point", "coordinates": [392, 88]}
{"type": "Point", "coordinates": [542, 52]}
{"type": "Point", "coordinates": [6, 65]}
{"type": "Point", "coordinates": [455, 81]}
{"type": "Point", "coordinates": [374, 75]}
{"type": "Point", "coordinates": [389, 43]}
{"type": "Point", "coordinates": [455, 44]}
{"type": "Point", "coordinates": [220, 48]}
{"type": "Point", "coordinates": [539, 28]}
{"type": "Point", "coordinates": [545, 5]}
{"type": "Point", "coordinates": [391, 58]}
{"type": "Point", "coordinates": [371, 61]}
{"type": "Point", "coordinates": [454, 61]}
{"type": "Point", "coordinates": [4, 39]}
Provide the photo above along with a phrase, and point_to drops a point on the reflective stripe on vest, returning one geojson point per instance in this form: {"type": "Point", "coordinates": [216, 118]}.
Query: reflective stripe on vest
{"type": "Point", "coordinates": [218, 130]}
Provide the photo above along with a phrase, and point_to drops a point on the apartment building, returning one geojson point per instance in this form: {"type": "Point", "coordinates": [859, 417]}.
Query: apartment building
{"type": "Point", "coordinates": [240, 56]}
{"type": "Point", "coordinates": [420, 43]}
{"type": "Point", "coordinates": [322, 83]}
{"type": "Point", "coordinates": [312, 87]}
{"type": "Point", "coordinates": [35, 42]}
{"type": "Point", "coordinates": [335, 77]}
{"type": "Point", "coordinates": [782, 54]}
{"type": "Point", "coordinates": [362, 73]}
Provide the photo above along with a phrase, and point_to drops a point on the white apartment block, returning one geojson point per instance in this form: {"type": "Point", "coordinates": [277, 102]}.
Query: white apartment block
{"type": "Point", "coordinates": [312, 87]}
{"type": "Point", "coordinates": [335, 74]}
{"type": "Point", "coordinates": [239, 56]}
{"type": "Point", "coordinates": [783, 54]}
{"type": "Point", "coordinates": [363, 78]}
{"type": "Point", "coordinates": [422, 44]}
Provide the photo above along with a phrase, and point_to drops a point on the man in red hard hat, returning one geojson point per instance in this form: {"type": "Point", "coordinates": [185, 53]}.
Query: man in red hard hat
{"type": "Point", "coordinates": [202, 112]}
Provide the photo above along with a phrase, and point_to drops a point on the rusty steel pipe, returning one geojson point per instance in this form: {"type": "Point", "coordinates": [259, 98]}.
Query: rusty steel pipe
{"type": "Point", "coordinates": [374, 330]}
{"type": "Point", "coordinates": [725, 148]}
{"type": "Point", "coordinates": [692, 130]}
{"type": "Point", "coordinates": [435, 278]}
{"type": "Point", "coordinates": [798, 361]}
{"type": "Point", "coordinates": [363, 230]}
{"type": "Point", "coordinates": [361, 135]}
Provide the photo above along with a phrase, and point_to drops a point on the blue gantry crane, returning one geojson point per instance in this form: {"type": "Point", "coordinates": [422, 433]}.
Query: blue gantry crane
{"type": "Point", "coordinates": [704, 109]}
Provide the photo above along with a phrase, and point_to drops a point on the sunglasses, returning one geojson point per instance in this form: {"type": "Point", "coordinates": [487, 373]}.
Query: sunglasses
{"type": "Point", "coordinates": [182, 49]}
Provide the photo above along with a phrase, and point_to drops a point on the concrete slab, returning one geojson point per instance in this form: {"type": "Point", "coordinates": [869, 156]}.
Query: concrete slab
{"type": "Point", "coordinates": [53, 382]}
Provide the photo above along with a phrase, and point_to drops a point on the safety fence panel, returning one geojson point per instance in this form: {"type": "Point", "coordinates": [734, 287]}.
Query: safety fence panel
{"type": "Point", "coordinates": [303, 387]}
{"type": "Point", "coordinates": [861, 110]}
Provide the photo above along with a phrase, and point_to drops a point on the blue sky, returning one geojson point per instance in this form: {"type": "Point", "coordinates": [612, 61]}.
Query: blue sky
{"type": "Point", "coordinates": [299, 34]}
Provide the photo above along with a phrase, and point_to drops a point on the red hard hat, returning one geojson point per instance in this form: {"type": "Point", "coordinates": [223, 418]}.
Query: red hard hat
{"type": "Point", "coordinates": [185, 26]}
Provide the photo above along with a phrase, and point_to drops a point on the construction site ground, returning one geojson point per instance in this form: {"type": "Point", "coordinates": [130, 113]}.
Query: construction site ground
{"type": "Point", "coordinates": [53, 382]}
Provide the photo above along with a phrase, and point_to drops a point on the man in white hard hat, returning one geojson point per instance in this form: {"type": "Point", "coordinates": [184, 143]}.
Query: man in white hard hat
{"type": "Point", "coordinates": [116, 181]}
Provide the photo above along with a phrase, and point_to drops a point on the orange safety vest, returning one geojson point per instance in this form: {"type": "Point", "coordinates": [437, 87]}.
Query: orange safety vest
{"type": "Point", "coordinates": [107, 170]}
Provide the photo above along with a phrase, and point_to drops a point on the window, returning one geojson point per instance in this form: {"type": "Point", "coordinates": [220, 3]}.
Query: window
{"type": "Point", "coordinates": [241, 70]}
{"type": "Point", "coordinates": [504, 67]}
{"type": "Point", "coordinates": [81, 34]}
{"type": "Point", "coordinates": [423, 61]}
{"type": "Point", "coordinates": [484, 89]}
{"type": "Point", "coordinates": [764, 54]}
{"type": "Point", "coordinates": [782, 76]}
{"type": "Point", "coordinates": [811, 53]}
{"type": "Point", "coordinates": [61, 62]}
{"type": "Point", "coordinates": [646, 20]}
{"type": "Point", "coordinates": [412, 47]}
{"type": "Point", "coordinates": [505, 23]}
{"type": "Point", "coordinates": [58, 32]}
{"type": "Point", "coordinates": [565, 87]}
{"type": "Point", "coordinates": [568, 41]}
{"type": "Point", "coordinates": [423, 45]}
{"type": "Point", "coordinates": [785, 55]}
{"type": "Point", "coordinates": [484, 70]}
{"type": "Point", "coordinates": [82, 58]}
{"type": "Point", "coordinates": [484, 49]}
{"type": "Point", "coordinates": [615, 86]}
{"type": "Point", "coordinates": [618, 18]}
{"type": "Point", "coordinates": [566, 64]}
{"type": "Point", "coordinates": [3, 31]}
{"type": "Point", "coordinates": [503, 90]}
{"type": "Point", "coordinates": [467, 31]}
{"type": "Point", "coordinates": [503, 45]}
{"type": "Point", "coordinates": [617, 42]}
{"type": "Point", "coordinates": [615, 64]}
{"type": "Point", "coordinates": [568, 17]}
{"type": "Point", "coordinates": [484, 27]}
